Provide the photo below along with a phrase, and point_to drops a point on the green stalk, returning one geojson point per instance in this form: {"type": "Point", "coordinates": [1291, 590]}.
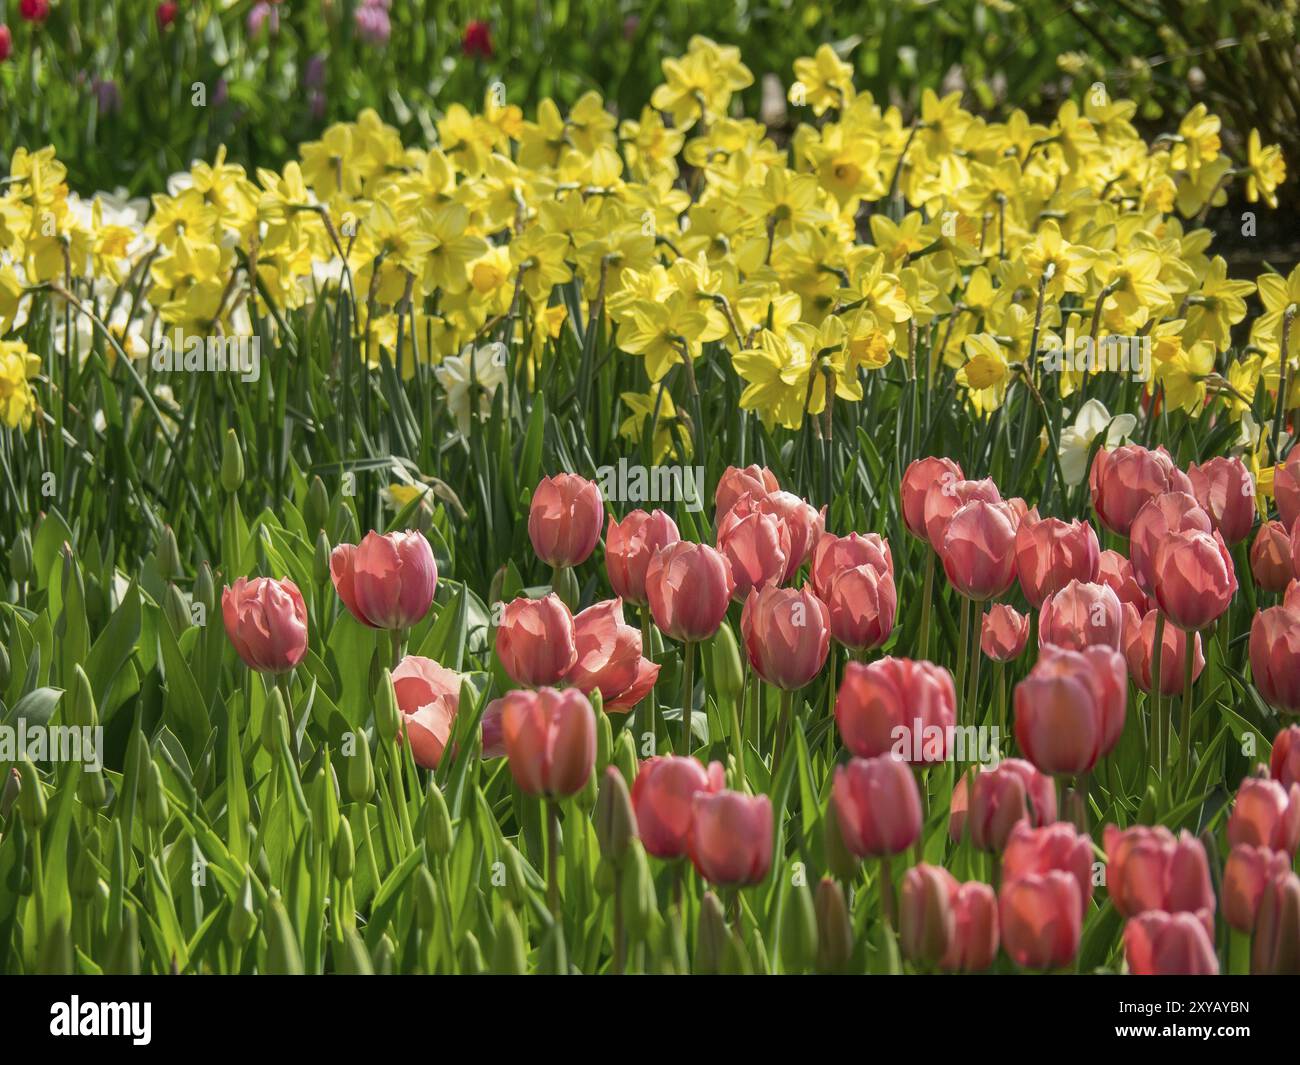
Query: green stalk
{"type": "Point", "coordinates": [1185, 739]}
{"type": "Point", "coordinates": [688, 693]}
{"type": "Point", "coordinates": [927, 593]}
{"type": "Point", "coordinates": [553, 857]}
{"type": "Point", "coordinates": [782, 732]}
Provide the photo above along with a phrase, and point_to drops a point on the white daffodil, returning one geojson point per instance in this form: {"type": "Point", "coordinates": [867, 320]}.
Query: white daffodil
{"type": "Point", "coordinates": [484, 367]}
{"type": "Point", "coordinates": [1076, 440]}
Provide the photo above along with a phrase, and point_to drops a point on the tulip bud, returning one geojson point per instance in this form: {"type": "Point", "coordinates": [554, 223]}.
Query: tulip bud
{"type": "Point", "coordinates": [426, 898]}
{"type": "Point", "coordinates": [80, 701]}
{"type": "Point", "coordinates": [834, 928]}
{"type": "Point", "coordinates": [9, 795]}
{"type": "Point", "coordinates": [4, 668]}
{"type": "Point", "coordinates": [283, 955]}
{"type": "Point", "coordinates": [438, 837]}
{"type": "Point", "coordinates": [388, 719]}
{"type": "Point", "coordinates": [926, 923]}
{"type": "Point", "coordinates": [176, 610]}
{"type": "Point", "coordinates": [316, 509]}
{"type": "Point", "coordinates": [361, 773]}
{"type": "Point", "coordinates": [345, 853]}
{"type": "Point", "coordinates": [843, 863]}
{"type": "Point", "coordinates": [638, 891]}
{"type": "Point", "coordinates": [615, 821]}
{"type": "Point", "coordinates": [354, 959]}
{"type": "Point", "coordinates": [385, 954]}
{"type": "Point", "coordinates": [124, 952]}
{"type": "Point", "coordinates": [85, 877]}
{"type": "Point", "coordinates": [167, 555]}
{"type": "Point", "coordinates": [604, 732]}
{"type": "Point", "coordinates": [470, 956]}
{"type": "Point", "coordinates": [798, 929]}
{"type": "Point", "coordinates": [625, 756]}
{"type": "Point", "coordinates": [728, 673]}
{"type": "Point", "coordinates": [509, 957]}
{"type": "Point", "coordinates": [91, 788]}
{"type": "Point", "coordinates": [232, 462]}
{"type": "Point", "coordinates": [20, 557]}
{"type": "Point", "coordinates": [156, 807]}
{"type": "Point", "coordinates": [553, 957]}
{"type": "Point", "coordinates": [711, 937]}
{"type": "Point", "coordinates": [205, 589]}
{"type": "Point", "coordinates": [242, 922]}
{"type": "Point", "coordinates": [320, 563]}
{"type": "Point", "coordinates": [31, 798]}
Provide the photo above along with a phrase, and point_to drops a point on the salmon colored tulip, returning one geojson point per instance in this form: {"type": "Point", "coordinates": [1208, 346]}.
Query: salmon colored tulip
{"type": "Point", "coordinates": [1286, 488]}
{"type": "Point", "coordinates": [1226, 492]}
{"type": "Point", "coordinates": [1275, 657]}
{"type": "Point", "coordinates": [1081, 615]}
{"type": "Point", "coordinates": [730, 840]}
{"type": "Point", "coordinates": [1245, 875]}
{"type": "Point", "coordinates": [1004, 632]}
{"type": "Point", "coordinates": [550, 740]}
{"type": "Point", "coordinates": [1265, 814]}
{"type": "Point", "coordinates": [1169, 944]}
{"type": "Point", "coordinates": [1139, 652]}
{"type": "Point", "coordinates": [862, 605]}
{"type": "Point", "coordinates": [1123, 480]}
{"type": "Point", "coordinates": [609, 657]}
{"type": "Point", "coordinates": [689, 586]}
{"type": "Point", "coordinates": [427, 695]}
{"type": "Point", "coordinates": [1050, 553]}
{"type": "Point", "coordinates": [1148, 868]}
{"type": "Point", "coordinates": [927, 925]}
{"type": "Point", "coordinates": [1058, 846]}
{"type": "Point", "coordinates": [974, 944]}
{"type": "Point", "coordinates": [663, 797]}
{"type": "Point", "coordinates": [919, 477]}
{"type": "Point", "coordinates": [881, 706]}
{"type": "Point", "coordinates": [1291, 597]}
{"type": "Point", "coordinates": [1040, 917]}
{"type": "Point", "coordinates": [834, 554]}
{"type": "Point", "coordinates": [1275, 949]}
{"type": "Point", "coordinates": [999, 799]}
{"type": "Point", "coordinates": [1272, 558]}
{"type": "Point", "coordinates": [388, 581]}
{"type": "Point", "coordinates": [266, 621]}
{"type": "Point", "coordinates": [1116, 572]}
{"type": "Point", "coordinates": [535, 640]}
{"type": "Point", "coordinates": [629, 547]}
{"type": "Point", "coordinates": [945, 497]}
{"type": "Point", "coordinates": [758, 547]}
{"type": "Point", "coordinates": [1284, 766]}
{"type": "Point", "coordinates": [877, 806]}
{"type": "Point", "coordinates": [1070, 709]}
{"type": "Point", "coordinates": [804, 522]}
{"type": "Point", "coordinates": [787, 633]}
{"type": "Point", "coordinates": [1194, 578]}
{"type": "Point", "coordinates": [565, 519]}
{"type": "Point", "coordinates": [979, 549]}
{"type": "Point", "coordinates": [1160, 516]}
{"type": "Point", "coordinates": [757, 481]}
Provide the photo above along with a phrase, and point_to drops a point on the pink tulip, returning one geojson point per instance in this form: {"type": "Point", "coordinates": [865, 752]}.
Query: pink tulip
{"type": "Point", "coordinates": [877, 806]}
{"type": "Point", "coordinates": [862, 606]}
{"type": "Point", "coordinates": [1148, 868]}
{"type": "Point", "coordinates": [1245, 875]}
{"type": "Point", "coordinates": [835, 554]}
{"type": "Point", "coordinates": [1058, 846]}
{"type": "Point", "coordinates": [919, 477]}
{"type": "Point", "coordinates": [927, 925]}
{"type": "Point", "coordinates": [1275, 949]}
{"type": "Point", "coordinates": [730, 841]}
{"type": "Point", "coordinates": [757, 481]}
{"type": "Point", "coordinates": [1160, 516]}
{"type": "Point", "coordinates": [804, 522]}
{"type": "Point", "coordinates": [1116, 572]}
{"type": "Point", "coordinates": [688, 586]}
{"type": "Point", "coordinates": [550, 740]}
{"type": "Point", "coordinates": [1194, 578]}
{"type": "Point", "coordinates": [629, 547]}
{"type": "Point", "coordinates": [1121, 481]}
{"type": "Point", "coordinates": [1004, 632]}
{"type": "Point", "coordinates": [386, 581]}
{"type": "Point", "coordinates": [974, 944]}
{"type": "Point", "coordinates": [757, 546]}
{"type": "Point", "coordinates": [266, 621]}
{"type": "Point", "coordinates": [1275, 657]}
{"type": "Point", "coordinates": [1285, 763]}
{"type": "Point", "coordinates": [1226, 491]}
{"type": "Point", "coordinates": [536, 641]}
{"type": "Point", "coordinates": [945, 497]}
{"type": "Point", "coordinates": [609, 657]}
{"type": "Point", "coordinates": [1070, 709]}
{"type": "Point", "coordinates": [1041, 919]}
{"type": "Point", "coordinates": [1286, 488]}
{"type": "Point", "coordinates": [1051, 553]}
{"type": "Point", "coordinates": [663, 797]}
{"type": "Point", "coordinates": [787, 635]}
{"type": "Point", "coordinates": [1139, 652]}
{"type": "Point", "coordinates": [1001, 798]}
{"type": "Point", "coordinates": [882, 706]}
{"type": "Point", "coordinates": [428, 695]}
{"type": "Point", "coordinates": [979, 549]}
{"type": "Point", "coordinates": [1081, 615]}
{"type": "Point", "coordinates": [1169, 944]}
{"type": "Point", "coordinates": [1272, 557]}
{"type": "Point", "coordinates": [1266, 814]}
{"type": "Point", "coordinates": [564, 519]}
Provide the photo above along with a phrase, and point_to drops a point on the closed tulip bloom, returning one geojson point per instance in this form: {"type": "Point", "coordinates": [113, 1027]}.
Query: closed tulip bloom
{"type": "Point", "coordinates": [877, 806]}
{"type": "Point", "coordinates": [427, 695]}
{"type": "Point", "coordinates": [663, 798]}
{"type": "Point", "coordinates": [1291, 597]}
{"type": "Point", "coordinates": [1070, 710]}
{"type": "Point", "coordinates": [535, 640]}
{"type": "Point", "coordinates": [1003, 633]}
{"type": "Point", "coordinates": [946, 497]}
{"type": "Point", "coordinates": [1139, 652]}
{"type": "Point", "coordinates": [550, 740]}
{"type": "Point", "coordinates": [1148, 868]}
{"type": "Point", "coordinates": [1116, 572]}
{"type": "Point", "coordinates": [1123, 480]}
{"type": "Point", "coordinates": [881, 706]}
{"type": "Point", "coordinates": [730, 840]}
{"type": "Point", "coordinates": [1169, 944]}
{"type": "Point", "coordinates": [1284, 766]}
{"type": "Point", "coordinates": [1160, 516]}
{"type": "Point", "coordinates": [1040, 917]}
{"type": "Point", "coordinates": [735, 482]}
{"type": "Point", "coordinates": [918, 478]}
{"type": "Point", "coordinates": [804, 522]}
{"type": "Point", "coordinates": [979, 549]}
{"type": "Point", "coordinates": [1050, 553]}
{"type": "Point", "coordinates": [1058, 846]}
{"type": "Point", "coordinates": [266, 621]}
{"type": "Point", "coordinates": [1226, 491]}
{"type": "Point", "coordinates": [1266, 814]}
{"type": "Point", "coordinates": [609, 657]}
{"type": "Point", "coordinates": [757, 547]}
{"type": "Point", "coordinates": [1286, 488]}
{"type": "Point", "coordinates": [629, 547]}
{"type": "Point", "coordinates": [1245, 875]}
{"type": "Point", "coordinates": [974, 944]}
{"type": "Point", "coordinates": [1275, 657]}
{"type": "Point", "coordinates": [862, 605]}
{"type": "Point", "coordinates": [1275, 949]}
{"type": "Point", "coordinates": [565, 518]}
{"type": "Point", "coordinates": [1194, 578]}
{"type": "Point", "coordinates": [1081, 615]}
{"type": "Point", "coordinates": [1003, 797]}
{"type": "Point", "coordinates": [835, 554]}
{"type": "Point", "coordinates": [787, 633]}
{"type": "Point", "coordinates": [926, 923]}
{"type": "Point", "coordinates": [388, 581]}
{"type": "Point", "coordinates": [689, 586]}
{"type": "Point", "coordinates": [1272, 559]}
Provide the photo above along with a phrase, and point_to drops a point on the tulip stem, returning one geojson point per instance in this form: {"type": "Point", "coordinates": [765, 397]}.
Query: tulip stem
{"type": "Point", "coordinates": [962, 653]}
{"type": "Point", "coordinates": [1001, 672]}
{"type": "Point", "coordinates": [620, 940]}
{"type": "Point", "coordinates": [923, 789]}
{"type": "Point", "coordinates": [688, 694]}
{"type": "Point", "coordinates": [973, 698]}
{"type": "Point", "coordinates": [649, 708]}
{"type": "Point", "coordinates": [886, 892]}
{"type": "Point", "coordinates": [782, 732]}
{"type": "Point", "coordinates": [1157, 721]}
{"type": "Point", "coordinates": [553, 857]}
{"type": "Point", "coordinates": [1185, 737]}
{"type": "Point", "coordinates": [927, 593]}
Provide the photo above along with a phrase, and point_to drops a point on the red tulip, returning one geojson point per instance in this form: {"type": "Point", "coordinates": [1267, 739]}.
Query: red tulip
{"type": "Point", "coordinates": [1286, 488]}
{"type": "Point", "coordinates": [6, 42]}
{"type": "Point", "coordinates": [34, 10]}
{"type": "Point", "coordinates": [862, 606]}
{"type": "Point", "coordinates": [1194, 578]}
{"type": "Point", "coordinates": [1226, 491]}
{"type": "Point", "coordinates": [1041, 919]}
{"type": "Point", "coordinates": [787, 635]}
{"type": "Point", "coordinates": [927, 925]}
{"type": "Point", "coordinates": [166, 13]}
{"type": "Point", "coordinates": [1266, 814]}
{"type": "Point", "coordinates": [1081, 615]}
{"type": "Point", "coordinates": [1070, 709]}
{"type": "Point", "coordinates": [835, 554]}
{"type": "Point", "coordinates": [550, 740]}
{"type": "Point", "coordinates": [476, 43]}
{"type": "Point", "coordinates": [882, 705]}
{"type": "Point", "coordinates": [1160, 516]}
{"type": "Point", "coordinates": [536, 640]}
{"type": "Point", "coordinates": [945, 497]}
{"type": "Point", "coordinates": [758, 548]}
{"type": "Point", "coordinates": [919, 477]}
{"type": "Point", "coordinates": [428, 695]}
{"type": "Point", "coordinates": [730, 841]}
{"type": "Point", "coordinates": [663, 797]}
{"type": "Point", "coordinates": [565, 518]}
{"type": "Point", "coordinates": [1121, 481]}
{"type": "Point", "coordinates": [1285, 763]}
{"type": "Point", "coordinates": [1116, 572]}
{"type": "Point", "coordinates": [1271, 557]}
{"type": "Point", "coordinates": [1245, 875]}
{"type": "Point", "coordinates": [1004, 632]}
{"type": "Point", "coordinates": [757, 481]}
{"type": "Point", "coordinates": [804, 522]}
{"type": "Point", "coordinates": [387, 581]}
{"type": "Point", "coordinates": [1139, 651]}
{"type": "Point", "coordinates": [688, 586]}
{"type": "Point", "coordinates": [1275, 657]}
{"type": "Point", "coordinates": [1050, 553]}
{"type": "Point", "coordinates": [877, 806]}
{"type": "Point", "coordinates": [1275, 949]}
{"type": "Point", "coordinates": [1169, 944]}
{"type": "Point", "coordinates": [979, 549]}
{"type": "Point", "coordinates": [630, 546]}
{"type": "Point", "coordinates": [1149, 869]}
{"type": "Point", "coordinates": [609, 657]}
{"type": "Point", "coordinates": [1001, 798]}
{"type": "Point", "coordinates": [1058, 846]}
{"type": "Point", "coordinates": [266, 621]}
